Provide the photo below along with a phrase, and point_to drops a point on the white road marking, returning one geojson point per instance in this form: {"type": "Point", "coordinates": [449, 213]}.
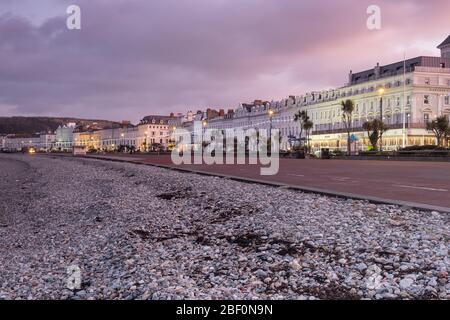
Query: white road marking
{"type": "Point", "coordinates": [420, 188]}
{"type": "Point", "coordinates": [340, 178]}
{"type": "Point", "coordinates": [296, 175]}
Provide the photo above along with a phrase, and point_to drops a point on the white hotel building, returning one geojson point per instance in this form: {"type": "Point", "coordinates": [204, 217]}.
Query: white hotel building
{"type": "Point", "coordinates": [412, 95]}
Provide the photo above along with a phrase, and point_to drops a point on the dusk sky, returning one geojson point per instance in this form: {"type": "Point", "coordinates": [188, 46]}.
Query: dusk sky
{"type": "Point", "coordinates": [138, 57]}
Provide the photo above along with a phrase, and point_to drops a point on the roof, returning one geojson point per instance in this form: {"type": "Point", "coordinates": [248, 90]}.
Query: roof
{"type": "Point", "coordinates": [397, 68]}
{"type": "Point", "coordinates": [446, 42]}
{"type": "Point", "coordinates": [156, 120]}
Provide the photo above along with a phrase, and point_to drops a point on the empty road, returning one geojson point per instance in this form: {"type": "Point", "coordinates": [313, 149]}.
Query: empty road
{"type": "Point", "coordinates": [418, 182]}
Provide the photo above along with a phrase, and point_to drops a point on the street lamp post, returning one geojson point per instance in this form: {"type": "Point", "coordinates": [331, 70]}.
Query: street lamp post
{"type": "Point", "coordinates": [271, 113]}
{"type": "Point", "coordinates": [204, 124]}
{"type": "Point", "coordinates": [146, 140]}
{"type": "Point", "coordinates": [381, 92]}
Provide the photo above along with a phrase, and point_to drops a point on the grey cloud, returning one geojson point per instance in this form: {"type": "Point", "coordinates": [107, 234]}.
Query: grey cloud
{"type": "Point", "coordinates": [138, 57]}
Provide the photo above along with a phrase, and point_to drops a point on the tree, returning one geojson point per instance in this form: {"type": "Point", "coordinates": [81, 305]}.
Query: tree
{"type": "Point", "coordinates": [305, 123]}
{"type": "Point", "coordinates": [348, 106]}
{"type": "Point", "coordinates": [308, 125]}
{"type": "Point", "coordinates": [441, 129]}
{"type": "Point", "coordinates": [375, 130]}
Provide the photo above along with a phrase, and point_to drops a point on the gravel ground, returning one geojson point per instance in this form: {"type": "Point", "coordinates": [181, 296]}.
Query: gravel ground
{"type": "Point", "coordinates": [138, 232]}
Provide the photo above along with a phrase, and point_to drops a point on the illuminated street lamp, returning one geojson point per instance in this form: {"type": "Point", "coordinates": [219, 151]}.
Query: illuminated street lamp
{"type": "Point", "coordinates": [381, 91]}
{"type": "Point", "coordinates": [271, 113]}
{"type": "Point", "coordinates": [204, 125]}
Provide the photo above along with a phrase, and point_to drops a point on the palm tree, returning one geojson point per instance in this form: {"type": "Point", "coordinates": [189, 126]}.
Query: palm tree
{"type": "Point", "coordinates": [308, 125]}
{"type": "Point", "coordinates": [303, 118]}
{"type": "Point", "coordinates": [348, 106]}
{"type": "Point", "coordinates": [440, 128]}
{"type": "Point", "coordinates": [375, 130]}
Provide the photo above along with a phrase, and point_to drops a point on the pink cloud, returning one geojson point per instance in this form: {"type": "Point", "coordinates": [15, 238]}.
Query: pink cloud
{"type": "Point", "coordinates": [134, 57]}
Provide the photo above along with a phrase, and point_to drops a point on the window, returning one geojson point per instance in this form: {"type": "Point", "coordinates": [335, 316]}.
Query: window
{"type": "Point", "coordinates": [427, 81]}
{"type": "Point", "coordinates": [447, 99]}
{"type": "Point", "coordinates": [426, 99]}
{"type": "Point", "coordinates": [426, 117]}
{"type": "Point", "coordinates": [408, 100]}
{"type": "Point", "coordinates": [398, 101]}
{"type": "Point", "coordinates": [442, 65]}
{"type": "Point", "coordinates": [388, 119]}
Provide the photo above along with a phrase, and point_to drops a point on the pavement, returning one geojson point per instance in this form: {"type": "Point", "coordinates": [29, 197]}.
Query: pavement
{"type": "Point", "coordinates": [424, 185]}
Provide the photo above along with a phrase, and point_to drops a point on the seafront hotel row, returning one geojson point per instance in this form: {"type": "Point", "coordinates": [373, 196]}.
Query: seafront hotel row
{"type": "Point", "coordinates": [415, 92]}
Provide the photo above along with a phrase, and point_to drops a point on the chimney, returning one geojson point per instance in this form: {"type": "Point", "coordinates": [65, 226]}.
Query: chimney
{"type": "Point", "coordinates": [445, 48]}
{"type": "Point", "coordinates": [350, 77]}
{"type": "Point", "coordinates": [377, 71]}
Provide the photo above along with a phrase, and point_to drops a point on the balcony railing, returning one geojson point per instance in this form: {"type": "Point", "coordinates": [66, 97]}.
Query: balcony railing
{"type": "Point", "coordinates": [360, 129]}
{"type": "Point", "coordinates": [433, 70]}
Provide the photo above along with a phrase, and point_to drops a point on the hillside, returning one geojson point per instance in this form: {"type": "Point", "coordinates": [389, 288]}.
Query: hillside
{"type": "Point", "coordinates": [32, 125]}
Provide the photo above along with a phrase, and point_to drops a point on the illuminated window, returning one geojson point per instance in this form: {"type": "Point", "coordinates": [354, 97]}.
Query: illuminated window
{"type": "Point", "coordinates": [426, 99]}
